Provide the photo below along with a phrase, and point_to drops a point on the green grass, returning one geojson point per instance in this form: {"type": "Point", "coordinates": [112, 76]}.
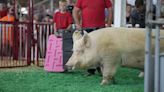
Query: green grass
{"type": "Point", "coordinates": [33, 79]}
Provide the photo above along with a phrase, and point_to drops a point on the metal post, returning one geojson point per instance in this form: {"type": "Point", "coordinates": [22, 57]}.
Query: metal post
{"type": "Point", "coordinates": [29, 32]}
{"type": "Point", "coordinates": [157, 54]}
{"type": "Point", "coordinates": [15, 40]}
{"type": "Point", "coordinates": [149, 68]}
{"type": "Point", "coordinates": [157, 50]}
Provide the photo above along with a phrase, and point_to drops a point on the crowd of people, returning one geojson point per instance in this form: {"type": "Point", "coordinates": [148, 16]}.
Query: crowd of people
{"type": "Point", "coordinates": [84, 14]}
{"type": "Point", "coordinates": [135, 12]}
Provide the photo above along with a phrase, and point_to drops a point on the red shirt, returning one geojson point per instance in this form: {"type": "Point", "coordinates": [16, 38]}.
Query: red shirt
{"type": "Point", "coordinates": [62, 20]}
{"type": "Point", "coordinates": [93, 12]}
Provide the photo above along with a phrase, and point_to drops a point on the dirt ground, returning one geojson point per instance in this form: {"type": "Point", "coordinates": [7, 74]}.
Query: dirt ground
{"type": "Point", "coordinates": [9, 62]}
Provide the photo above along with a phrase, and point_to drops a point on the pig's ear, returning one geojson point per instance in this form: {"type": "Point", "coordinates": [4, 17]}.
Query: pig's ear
{"type": "Point", "coordinates": [76, 35]}
{"type": "Point", "coordinates": [86, 40]}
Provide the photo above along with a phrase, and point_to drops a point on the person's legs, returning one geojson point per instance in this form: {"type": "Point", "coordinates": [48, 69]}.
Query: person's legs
{"type": "Point", "coordinates": [138, 18]}
{"type": "Point", "coordinates": [141, 24]}
{"type": "Point", "coordinates": [91, 71]}
{"type": "Point", "coordinates": [141, 20]}
{"type": "Point", "coordinates": [134, 17]}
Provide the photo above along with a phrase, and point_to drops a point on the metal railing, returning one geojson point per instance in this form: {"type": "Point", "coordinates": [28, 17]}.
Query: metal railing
{"type": "Point", "coordinates": [13, 44]}
{"type": "Point", "coordinates": [41, 33]}
{"type": "Point", "coordinates": [153, 68]}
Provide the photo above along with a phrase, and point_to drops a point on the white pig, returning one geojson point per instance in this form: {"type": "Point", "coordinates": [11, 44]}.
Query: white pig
{"type": "Point", "coordinates": [109, 48]}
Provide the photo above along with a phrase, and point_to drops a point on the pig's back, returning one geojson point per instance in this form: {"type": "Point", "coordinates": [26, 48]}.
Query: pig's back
{"type": "Point", "coordinates": [122, 39]}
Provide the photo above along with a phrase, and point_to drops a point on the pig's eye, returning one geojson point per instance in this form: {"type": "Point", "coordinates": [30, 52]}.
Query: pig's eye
{"type": "Point", "coordinates": [78, 50]}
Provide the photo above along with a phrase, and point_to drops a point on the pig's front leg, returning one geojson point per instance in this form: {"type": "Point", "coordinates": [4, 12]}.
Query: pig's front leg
{"type": "Point", "coordinates": [108, 72]}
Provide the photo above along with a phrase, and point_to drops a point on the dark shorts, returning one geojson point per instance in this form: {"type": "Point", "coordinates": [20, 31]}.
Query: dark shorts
{"type": "Point", "coordinates": [90, 29]}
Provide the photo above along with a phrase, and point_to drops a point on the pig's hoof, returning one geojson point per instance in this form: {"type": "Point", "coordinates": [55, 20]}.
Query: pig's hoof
{"type": "Point", "coordinates": [104, 82]}
{"type": "Point", "coordinates": [141, 75]}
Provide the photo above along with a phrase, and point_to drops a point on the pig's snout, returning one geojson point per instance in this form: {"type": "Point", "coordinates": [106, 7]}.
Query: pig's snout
{"type": "Point", "coordinates": [66, 67]}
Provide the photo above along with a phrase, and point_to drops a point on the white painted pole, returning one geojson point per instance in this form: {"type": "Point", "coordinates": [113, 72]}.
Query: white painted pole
{"type": "Point", "coordinates": [119, 13]}
{"type": "Point", "coordinates": [52, 5]}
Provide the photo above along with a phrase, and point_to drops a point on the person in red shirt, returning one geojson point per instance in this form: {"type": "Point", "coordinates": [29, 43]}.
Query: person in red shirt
{"type": "Point", "coordinates": [62, 19]}
{"type": "Point", "coordinates": [92, 13]}
{"type": "Point", "coordinates": [89, 15]}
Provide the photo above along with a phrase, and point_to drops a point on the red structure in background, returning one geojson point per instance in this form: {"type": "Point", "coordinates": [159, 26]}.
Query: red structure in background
{"type": "Point", "coordinates": [29, 32]}
{"type": "Point", "coordinates": [29, 42]}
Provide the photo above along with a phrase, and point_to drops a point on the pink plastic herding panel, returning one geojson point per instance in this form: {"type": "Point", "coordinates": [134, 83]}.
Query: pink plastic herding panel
{"type": "Point", "coordinates": [54, 60]}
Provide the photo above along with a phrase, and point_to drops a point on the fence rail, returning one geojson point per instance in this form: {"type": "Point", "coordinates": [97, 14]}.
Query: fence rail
{"type": "Point", "coordinates": [14, 43]}
{"type": "Point", "coordinates": [40, 38]}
